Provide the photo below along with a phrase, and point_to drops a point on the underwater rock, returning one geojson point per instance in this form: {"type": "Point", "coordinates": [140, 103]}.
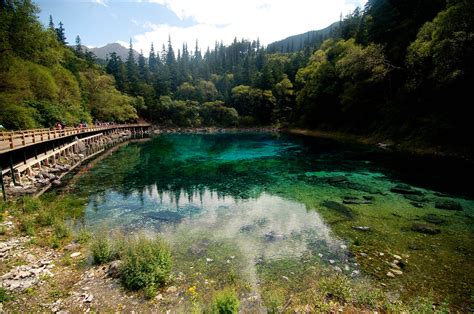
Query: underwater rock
{"type": "Point", "coordinates": [336, 179]}
{"type": "Point", "coordinates": [199, 248]}
{"type": "Point", "coordinates": [355, 200]}
{"type": "Point", "coordinates": [431, 218]}
{"type": "Point", "coordinates": [368, 197]}
{"type": "Point", "coordinates": [340, 208]}
{"type": "Point", "coordinates": [272, 236]}
{"type": "Point", "coordinates": [361, 228]}
{"type": "Point", "coordinates": [447, 204]}
{"type": "Point", "coordinates": [247, 228]}
{"type": "Point", "coordinates": [415, 198]}
{"type": "Point", "coordinates": [422, 228]}
{"type": "Point", "coordinates": [405, 189]}
{"type": "Point", "coordinates": [165, 215]}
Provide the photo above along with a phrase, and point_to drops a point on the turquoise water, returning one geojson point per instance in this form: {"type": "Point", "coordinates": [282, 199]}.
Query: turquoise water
{"type": "Point", "coordinates": [244, 202]}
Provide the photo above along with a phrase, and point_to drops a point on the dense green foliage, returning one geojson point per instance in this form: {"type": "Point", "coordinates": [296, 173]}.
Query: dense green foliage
{"type": "Point", "coordinates": [389, 69]}
{"type": "Point", "coordinates": [43, 82]}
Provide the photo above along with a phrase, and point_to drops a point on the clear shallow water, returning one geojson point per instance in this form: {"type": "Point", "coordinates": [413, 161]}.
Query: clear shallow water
{"type": "Point", "coordinates": [251, 200]}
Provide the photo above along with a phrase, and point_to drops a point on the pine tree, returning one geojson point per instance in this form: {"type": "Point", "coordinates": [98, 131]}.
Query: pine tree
{"type": "Point", "coordinates": [60, 34]}
{"type": "Point", "coordinates": [78, 47]}
{"type": "Point", "coordinates": [51, 23]}
{"type": "Point", "coordinates": [132, 72]}
{"type": "Point", "coordinates": [152, 60]}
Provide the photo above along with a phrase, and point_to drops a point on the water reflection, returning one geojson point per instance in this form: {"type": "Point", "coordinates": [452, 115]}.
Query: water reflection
{"type": "Point", "coordinates": [260, 229]}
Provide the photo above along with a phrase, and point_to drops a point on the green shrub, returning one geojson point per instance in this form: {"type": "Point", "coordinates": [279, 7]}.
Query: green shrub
{"type": "Point", "coordinates": [146, 263]}
{"type": "Point", "coordinates": [150, 292]}
{"type": "Point", "coordinates": [336, 287]}
{"type": "Point", "coordinates": [61, 230]}
{"type": "Point", "coordinates": [31, 204]}
{"type": "Point", "coordinates": [225, 302]}
{"type": "Point", "coordinates": [27, 226]}
{"type": "Point", "coordinates": [84, 236]}
{"type": "Point", "coordinates": [102, 250]}
{"type": "Point", "coordinates": [45, 218]}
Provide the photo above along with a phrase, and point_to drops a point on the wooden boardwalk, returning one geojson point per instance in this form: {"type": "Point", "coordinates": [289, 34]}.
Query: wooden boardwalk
{"type": "Point", "coordinates": [14, 140]}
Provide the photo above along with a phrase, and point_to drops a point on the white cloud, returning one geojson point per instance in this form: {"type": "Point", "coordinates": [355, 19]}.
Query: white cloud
{"type": "Point", "coordinates": [101, 2]}
{"type": "Point", "coordinates": [223, 20]}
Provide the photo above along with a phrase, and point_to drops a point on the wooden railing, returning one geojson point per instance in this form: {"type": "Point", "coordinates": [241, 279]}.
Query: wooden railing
{"type": "Point", "coordinates": [16, 139]}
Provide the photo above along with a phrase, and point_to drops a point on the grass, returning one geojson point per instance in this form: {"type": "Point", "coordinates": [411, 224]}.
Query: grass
{"type": "Point", "coordinates": [4, 295]}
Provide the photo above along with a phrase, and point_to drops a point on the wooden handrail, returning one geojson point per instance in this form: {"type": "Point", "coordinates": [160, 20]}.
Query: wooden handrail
{"type": "Point", "coordinates": [38, 135]}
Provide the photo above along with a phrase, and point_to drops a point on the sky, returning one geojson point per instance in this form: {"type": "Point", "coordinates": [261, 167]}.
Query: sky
{"type": "Point", "coordinates": [99, 22]}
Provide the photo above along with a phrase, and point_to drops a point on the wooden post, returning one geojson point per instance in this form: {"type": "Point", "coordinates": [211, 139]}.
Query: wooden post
{"type": "Point", "coordinates": [4, 193]}
{"type": "Point", "coordinates": [11, 139]}
{"type": "Point", "coordinates": [11, 169]}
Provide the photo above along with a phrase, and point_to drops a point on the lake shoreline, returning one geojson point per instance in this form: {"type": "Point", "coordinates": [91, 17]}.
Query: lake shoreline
{"type": "Point", "coordinates": [413, 147]}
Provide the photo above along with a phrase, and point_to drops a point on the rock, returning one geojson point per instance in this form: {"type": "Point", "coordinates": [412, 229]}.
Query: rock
{"type": "Point", "coordinates": [396, 272]}
{"type": "Point", "coordinates": [426, 229]}
{"type": "Point", "coordinates": [447, 204]}
{"type": "Point", "coordinates": [56, 182]}
{"type": "Point", "coordinates": [355, 273]}
{"type": "Point", "coordinates": [336, 179]}
{"type": "Point", "coordinates": [361, 228]}
{"type": "Point", "coordinates": [398, 257]}
{"type": "Point", "coordinates": [339, 208]}
{"type": "Point", "coordinates": [272, 236]}
{"type": "Point", "coordinates": [247, 228]}
{"type": "Point", "coordinates": [172, 289]}
{"type": "Point", "coordinates": [286, 278]}
{"type": "Point", "coordinates": [381, 254]}
{"type": "Point", "coordinates": [390, 274]}
{"type": "Point", "coordinates": [417, 205]}
{"type": "Point", "coordinates": [114, 269]}
{"type": "Point", "coordinates": [88, 297]}
{"type": "Point", "coordinates": [209, 260]}
{"type": "Point", "coordinates": [159, 297]}
{"type": "Point", "coordinates": [331, 261]}
{"type": "Point", "coordinates": [75, 254]}
{"type": "Point", "coordinates": [71, 246]}
{"type": "Point", "coordinates": [343, 246]}
{"type": "Point", "coordinates": [368, 197]}
{"type": "Point", "coordinates": [338, 269]}
{"type": "Point", "coordinates": [434, 219]}
{"type": "Point", "coordinates": [356, 201]}
{"type": "Point", "coordinates": [405, 189]}
{"type": "Point", "coordinates": [415, 198]}
{"type": "Point", "coordinates": [24, 274]}
{"type": "Point", "coordinates": [394, 266]}
{"type": "Point", "coordinates": [30, 258]}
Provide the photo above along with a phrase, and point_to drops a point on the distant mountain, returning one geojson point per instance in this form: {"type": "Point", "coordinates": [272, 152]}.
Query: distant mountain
{"type": "Point", "coordinates": [104, 52]}
{"type": "Point", "coordinates": [301, 41]}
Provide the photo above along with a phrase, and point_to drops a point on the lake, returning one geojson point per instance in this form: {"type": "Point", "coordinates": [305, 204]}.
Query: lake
{"type": "Point", "coordinates": [270, 211]}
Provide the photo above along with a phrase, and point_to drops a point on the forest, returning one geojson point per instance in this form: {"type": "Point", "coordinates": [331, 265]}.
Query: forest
{"type": "Point", "coordinates": [401, 69]}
